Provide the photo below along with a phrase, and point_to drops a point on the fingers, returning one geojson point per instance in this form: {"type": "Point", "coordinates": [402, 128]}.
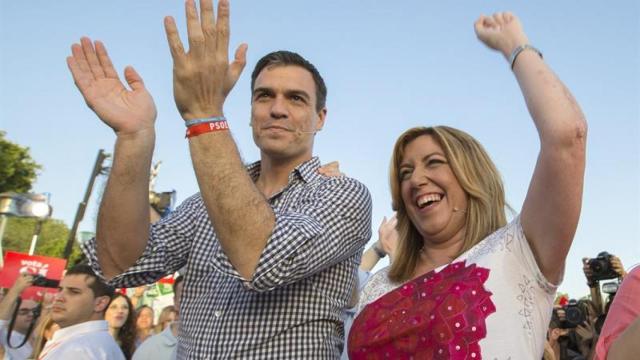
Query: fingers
{"type": "Point", "coordinates": [173, 38]}
{"type": "Point", "coordinates": [92, 59]}
{"type": "Point", "coordinates": [331, 169]}
{"type": "Point", "coordinates": [508, 16]}
{"type": "Point", "coordinates": [80, 77]}
{"type": "Point", "coordinates": [194, 30]}
{"type": "Point", "coordinates": [208, 25]}
{"type": "Point", "coordinates": [477, 26]}
{"type": "Point", "coordinates": [133, 78]}
{"type": "Point", "coordinates": [222, 29]}
{"type": "Point", "coordinates": [80, 59]}
{"type": "Point", "coordinates": [236, 67]}
{"type": "Point", "coordinates": [105, 61]}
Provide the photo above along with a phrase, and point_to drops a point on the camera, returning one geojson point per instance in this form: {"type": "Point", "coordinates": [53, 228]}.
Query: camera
{"type": "Point", "coordinates": [610, 287]}
{"type": "Point", "coordinates": [574, 315]}
{"type": "Point", "coordinates": [601, 268]}
{"type": "Point", "coordinates": [39, 280]}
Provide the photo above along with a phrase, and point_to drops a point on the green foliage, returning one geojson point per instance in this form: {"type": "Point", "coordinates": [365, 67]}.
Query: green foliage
{"type": "Point", "coordinates": [51, 242]}
{"type": "Point", "coordinates": [18, 169]}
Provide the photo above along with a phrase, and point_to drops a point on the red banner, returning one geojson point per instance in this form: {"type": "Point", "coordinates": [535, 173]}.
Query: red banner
{"type": "Point", "coordinates": [17, 263]}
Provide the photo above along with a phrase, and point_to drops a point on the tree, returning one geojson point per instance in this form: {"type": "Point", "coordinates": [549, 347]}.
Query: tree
{"type": "Point", "coordinates": [51, 242]}
{"type": "Point", "coordinates": [18, 170]}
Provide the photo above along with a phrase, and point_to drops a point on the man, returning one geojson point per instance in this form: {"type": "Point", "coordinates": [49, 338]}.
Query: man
{"type": "Point", "coordinates": [18, 348]}
{"type": "Point", "coordinates": [78, 309]}
{"type": "Point", "coordinates": [270, 250]}
{"type": "Point", "coordinates": [163, 345]}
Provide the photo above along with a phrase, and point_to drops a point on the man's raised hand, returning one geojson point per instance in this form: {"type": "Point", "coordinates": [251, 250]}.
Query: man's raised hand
{"type": "Point", "coordinates": [203, 76]}
{"type": "Point", "coordinates": [126, 111]}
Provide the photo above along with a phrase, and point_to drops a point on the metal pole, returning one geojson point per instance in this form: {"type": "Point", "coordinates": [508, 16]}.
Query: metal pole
{"type": "Point", "coordinates": [97, 168]}
{"type": "Point", "coordinates": [34, 239]}
{"type": "Point", "coordinates": [3, 223]}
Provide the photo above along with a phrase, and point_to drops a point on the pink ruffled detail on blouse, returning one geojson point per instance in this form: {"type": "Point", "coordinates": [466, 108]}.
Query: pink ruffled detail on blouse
{"type": "Point", "coordinates": [435, 316]}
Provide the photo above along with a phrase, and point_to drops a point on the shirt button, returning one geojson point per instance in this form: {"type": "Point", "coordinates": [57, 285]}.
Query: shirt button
{"type": "Point", "coordinates": [217, 313]}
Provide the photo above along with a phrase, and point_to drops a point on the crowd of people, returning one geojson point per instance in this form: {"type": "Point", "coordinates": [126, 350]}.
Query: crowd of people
{"type": "Point", "coordinates": [270, 250]}
{"type": "Point", "coordinates": [578, 329]}
{"type": "Point", "coordinates": [86, 319]}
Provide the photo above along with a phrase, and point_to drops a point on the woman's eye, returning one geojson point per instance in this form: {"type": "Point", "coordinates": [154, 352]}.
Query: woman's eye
{"type": "Point", "coordinates": [433, 162]}
{"type": "Point", "coordinates": [405, 174]}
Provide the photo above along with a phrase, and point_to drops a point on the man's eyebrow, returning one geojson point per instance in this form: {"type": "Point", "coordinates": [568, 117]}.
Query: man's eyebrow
{"type": "Point", "coordinates": [262, 90]}
{"type": "Point", "coordinates": [300, 93]}
{"type": "Point", "coordinates": [71, 288]}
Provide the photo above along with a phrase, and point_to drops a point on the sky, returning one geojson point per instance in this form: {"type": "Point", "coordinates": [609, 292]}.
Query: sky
{"type": "Point", "coordinates": [388, 65]}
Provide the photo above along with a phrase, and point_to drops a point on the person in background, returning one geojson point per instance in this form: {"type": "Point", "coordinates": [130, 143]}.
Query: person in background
{"type": "Point", "coordinates": [167, 315]}
{"type": "Point", "coordinates": [23, 320]}
{"type": "Point", "coordinates": [385, 245]}
{"type": "Point", "coordinates": [594, 285]}
{"type": "Point", "coordinates": [121, 318]}
{"type": "Point", "coordinates": [464, 283]}
{"type": "Point", "coordinates": [162, 346]}
{"type": "Point", "coordinates": [43, 332]}
{"type": "Point", "coordinates": [144, 324]}
{"type": "Point", "coordinates": [557, 344]}
{"type": "Point", "coordinates": [620, 335]}
{"type": "Point", "coordinates": [78, 309]}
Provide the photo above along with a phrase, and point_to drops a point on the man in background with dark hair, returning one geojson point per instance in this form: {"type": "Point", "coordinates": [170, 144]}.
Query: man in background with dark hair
{"type": "Point", "coordinates": [78, 309]}
{"type": "Point", "coordinates": [271, 250]}
{"type": "Point", "coordinates": [24, 318]}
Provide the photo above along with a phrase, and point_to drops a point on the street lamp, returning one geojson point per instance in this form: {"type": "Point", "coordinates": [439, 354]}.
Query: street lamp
{"type": "Point", "coordinates": [24, 205]}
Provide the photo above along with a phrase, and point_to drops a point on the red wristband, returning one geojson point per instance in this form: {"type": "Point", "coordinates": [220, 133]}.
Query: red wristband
{"type": "Point", "coordinates": [212, 126]}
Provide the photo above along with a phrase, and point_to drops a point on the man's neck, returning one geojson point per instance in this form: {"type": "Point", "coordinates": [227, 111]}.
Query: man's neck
{"type": "Point", "coordinates": [274, 174]}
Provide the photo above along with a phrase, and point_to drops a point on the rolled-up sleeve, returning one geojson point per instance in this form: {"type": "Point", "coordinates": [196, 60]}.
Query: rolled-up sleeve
{"type": "Point", "coordinates": [323, 228]}
{"type": "Point", "coordinates": [166, 251]}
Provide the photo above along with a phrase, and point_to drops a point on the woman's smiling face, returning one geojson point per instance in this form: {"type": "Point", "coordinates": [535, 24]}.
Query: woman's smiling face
{"type": "Point", "coordinates": [434, 200]}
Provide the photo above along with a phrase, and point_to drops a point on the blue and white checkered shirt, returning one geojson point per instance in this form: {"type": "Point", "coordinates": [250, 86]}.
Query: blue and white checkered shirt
{"type": "Point", "coordinates": [292, 308]}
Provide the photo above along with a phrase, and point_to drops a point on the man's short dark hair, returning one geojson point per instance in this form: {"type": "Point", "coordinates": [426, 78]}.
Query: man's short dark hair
{"type": "Point", "coordinates": [98, 286]}
{"type": "Point", "coordinates": [289, 58]}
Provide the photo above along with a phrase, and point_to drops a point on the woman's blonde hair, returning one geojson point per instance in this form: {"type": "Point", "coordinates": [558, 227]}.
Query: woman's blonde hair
{"type": "Point", "coordinates": [44, 324]}
{"type": "Point", "coordinates": [164, 319]}
{"type": "Point", "coordinates": [477, 176]}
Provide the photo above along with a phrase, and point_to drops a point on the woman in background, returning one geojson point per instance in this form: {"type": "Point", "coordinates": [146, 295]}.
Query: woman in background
{"type": "Point", "coordinates": [120, 317]}
{"type": "Point", "coordinates": [167, 316]}
{"type": "Point", "coordinates": [43, 333]}
{"type": "Point", "coordinates": [144, 324]}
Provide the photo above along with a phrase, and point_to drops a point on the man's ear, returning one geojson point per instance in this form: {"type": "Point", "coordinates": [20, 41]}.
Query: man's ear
{"type": "Point", "coordinates": [322, 115]}
{"type": "Point", "coordinates": [100, 304]}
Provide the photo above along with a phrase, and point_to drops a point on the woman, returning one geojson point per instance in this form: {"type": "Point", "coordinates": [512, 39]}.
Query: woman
{"type": "Point", "coordinates": [144, 324]}
{"type": "Point", "coordinates": [167, 316]}
{"type": "Point", "coordinates": [120, 317]}
{"type": "Point", "coordinates": [464, 283]}
{"type": "Point", "coordinates": [43, 332]}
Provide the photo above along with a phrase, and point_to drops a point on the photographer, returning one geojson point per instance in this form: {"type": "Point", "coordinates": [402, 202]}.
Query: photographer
{"type": "Point", "coordinates": [604, 266]}
{"type": "Point", "coordinates": [23, 321]}
{"type": "Point", "coordinates": [557, 346]}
